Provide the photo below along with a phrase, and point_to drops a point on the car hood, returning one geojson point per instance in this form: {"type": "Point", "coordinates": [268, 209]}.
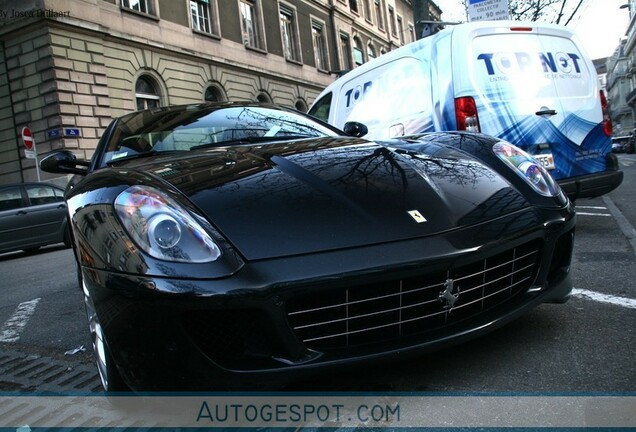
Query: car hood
{"type": "Point", "coordinates": [323, 194]}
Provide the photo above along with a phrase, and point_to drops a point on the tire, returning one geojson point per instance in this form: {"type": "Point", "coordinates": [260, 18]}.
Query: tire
{"type": "Point", "coordinates": [67, 237]}
{"type": "Point", "coordinates": [108, 373]}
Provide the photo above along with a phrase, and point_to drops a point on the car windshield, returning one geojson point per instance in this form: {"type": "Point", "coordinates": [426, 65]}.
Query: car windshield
{"type": "Point", "coordinates": [199, 126]}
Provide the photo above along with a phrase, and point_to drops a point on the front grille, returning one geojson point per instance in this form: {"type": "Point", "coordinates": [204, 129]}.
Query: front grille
{"type": "Point", "coordinates": [396, 309]}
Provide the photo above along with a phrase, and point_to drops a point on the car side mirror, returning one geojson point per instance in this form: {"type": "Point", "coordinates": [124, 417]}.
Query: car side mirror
{"type": "Point", "coordinates": [355, 129]}
{"type": "Point", "coordinates": [64, 162]}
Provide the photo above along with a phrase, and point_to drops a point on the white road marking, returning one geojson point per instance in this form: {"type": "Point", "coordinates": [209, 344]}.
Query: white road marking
{"type": "Point", "coordinates": [605, 298]}
{"type": "Point", "coordinates": [593, 214]}
{"type": "Point", "coordinates": [12, 328]}
{"type": "Point", "coordinates": [580, 213]}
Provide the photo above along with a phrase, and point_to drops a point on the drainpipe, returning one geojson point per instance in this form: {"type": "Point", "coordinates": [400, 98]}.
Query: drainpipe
{"type": "Point", "coordinates": [13, 120]}
{"type": "Point", "coordinates": [334, 33]}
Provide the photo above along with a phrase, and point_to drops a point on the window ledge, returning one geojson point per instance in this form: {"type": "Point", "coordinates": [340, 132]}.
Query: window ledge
{"type": "Point", "coordinates": [292, 61]}
{"type": "Point", "coordinates": [141, 14]}
{"type": "Point", "coordinates": [206, 34]}
{"type": "Point", "coordinates": [256, 49]}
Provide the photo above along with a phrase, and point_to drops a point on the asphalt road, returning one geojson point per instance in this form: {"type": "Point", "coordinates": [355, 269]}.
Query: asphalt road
{"type": "Point", "coordinates": [585, 345]}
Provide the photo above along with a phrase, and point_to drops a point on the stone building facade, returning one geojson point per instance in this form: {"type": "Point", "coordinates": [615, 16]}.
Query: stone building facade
{"type": "Point", "coordinates": [67, 67]}
{"type": "Point", "coordinates": [621, 78]}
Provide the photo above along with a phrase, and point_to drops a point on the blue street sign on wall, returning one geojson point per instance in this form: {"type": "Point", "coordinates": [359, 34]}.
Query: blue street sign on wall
{"type": "Point", "coordinates": [54, 133]}
{"type": "Point", "coordinates": [71, 132]}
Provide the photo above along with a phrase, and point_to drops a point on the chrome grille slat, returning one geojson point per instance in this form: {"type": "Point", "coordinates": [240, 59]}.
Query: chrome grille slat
{"type": "Point", "coordinates": [374, 328]}
{"type": "Point", "coordinates": [391, 310]}
{"type": "Point", "coordinates": [496, 267]}
{"type": "Point", "coordinates": [506, 276]}
{"type": "Point", "coordinates": [489, 295]}
{"type": "Point", "coordinates": [360, 301]}
{"type": "Point", "coordinates": [365, 315]}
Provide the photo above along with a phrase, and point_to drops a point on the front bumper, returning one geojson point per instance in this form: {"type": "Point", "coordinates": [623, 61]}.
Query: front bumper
{"type": "Point", "coordinates": [176, 334]}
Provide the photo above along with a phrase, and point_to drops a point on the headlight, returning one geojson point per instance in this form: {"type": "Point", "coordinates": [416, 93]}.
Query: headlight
{"type": "Point", "coordinates": [162, 228]}
{"type": "Point", "coordinates": [527, 167]}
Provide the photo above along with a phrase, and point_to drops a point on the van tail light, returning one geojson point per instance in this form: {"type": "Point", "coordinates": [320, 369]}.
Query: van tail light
{"type": "Point", "coordinates": [607, 121]}
{"type": "Point", "coordinates": [466, 114]}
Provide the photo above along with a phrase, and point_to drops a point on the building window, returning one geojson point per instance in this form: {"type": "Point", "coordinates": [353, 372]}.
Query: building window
{"type": "Point", "coordinates": [300, 105]}
{"type": "Point", "coordinates": [378, 14]}
{"type": "Point", "coordinates": [367, 10]}
{"type": "Point", "coordinates": [411, 33]}
{"type": "Point", "coordinates": [392, 20]}
{"type": "Point", "coordinates": [204, 17]}
{"type": "Point", "coordinates": [353, 5]}
{"type": "Point", "coordinates": [214, 94]}
{"type": "Point", "coordinates": [143, 6]}
{"type": "Point", "coordinates": [345, 49]}
{"type": "Point", "coordinates": [250, 24]}
{"type": "Point", "coordinates": [263, 97]}
{"type": "Point", "coordinates": [358, 55]}
{"type": "Point", "coordinates": [146, 93]}
{"type": "Point", "coordinates": [289, 34]}
{"type": "Point", "coordinates": [400, 29]}
{"type": "Point", "coordinates": [370, 52]}
{"type": "Point", "coordinates": [320, 45]}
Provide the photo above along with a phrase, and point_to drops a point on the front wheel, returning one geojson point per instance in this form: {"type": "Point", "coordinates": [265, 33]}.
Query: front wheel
{"type": "Point", "coordinates": [108, 374]}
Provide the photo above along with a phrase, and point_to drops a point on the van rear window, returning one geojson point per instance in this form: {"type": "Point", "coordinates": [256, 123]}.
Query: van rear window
{"type": "Point", "coordinates": [521, 65]}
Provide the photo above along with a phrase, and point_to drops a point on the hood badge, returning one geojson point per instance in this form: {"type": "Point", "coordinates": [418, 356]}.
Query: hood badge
{"type": "Point", "coordinates": [417, 216]}
{"type": "Point", "coordinates": [447, 296]}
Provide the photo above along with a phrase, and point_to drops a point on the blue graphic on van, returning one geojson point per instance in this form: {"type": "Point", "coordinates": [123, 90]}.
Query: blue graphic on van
{"type": "Point", "coordinates": [507, 62]}
{"type": "Point", "coordinates": [571, 158]}
{"type": "Point", "coordinates": [358, 93]}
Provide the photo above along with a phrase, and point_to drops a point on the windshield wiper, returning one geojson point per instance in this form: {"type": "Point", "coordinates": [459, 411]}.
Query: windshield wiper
{"type": "Point", "coordinates": [252, 140]}
{"type": "Point", "coordinates": [141, 155]}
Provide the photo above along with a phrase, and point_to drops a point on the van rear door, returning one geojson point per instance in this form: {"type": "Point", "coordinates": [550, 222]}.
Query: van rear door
{"type": "Point", "coordinates": [535, 88]}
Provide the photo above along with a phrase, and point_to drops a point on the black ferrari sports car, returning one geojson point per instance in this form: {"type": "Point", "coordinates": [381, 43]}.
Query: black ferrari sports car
{"type": "Point", "coordinates": [227, 243]}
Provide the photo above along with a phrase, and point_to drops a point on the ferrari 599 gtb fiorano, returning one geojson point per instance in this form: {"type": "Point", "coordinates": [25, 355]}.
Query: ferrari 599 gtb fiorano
{"type": "Point", "coordinates": [225, 243]}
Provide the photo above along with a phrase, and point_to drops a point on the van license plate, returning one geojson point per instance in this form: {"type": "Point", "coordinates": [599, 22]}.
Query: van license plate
{"type": "Point", "coordinates": [546, 160]}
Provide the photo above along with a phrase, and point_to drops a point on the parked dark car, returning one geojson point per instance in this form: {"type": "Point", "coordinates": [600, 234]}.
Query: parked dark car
{"type": "Point", "coordinates": [243, 243]}
{"type": "Point", "coordinates": [620, 144]}
{"type": "Point", "coordinates": [32, 215]}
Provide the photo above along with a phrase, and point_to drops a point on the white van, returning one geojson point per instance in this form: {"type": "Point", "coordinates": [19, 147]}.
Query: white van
{"type": "Point", "coordinates": [527, 83]}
